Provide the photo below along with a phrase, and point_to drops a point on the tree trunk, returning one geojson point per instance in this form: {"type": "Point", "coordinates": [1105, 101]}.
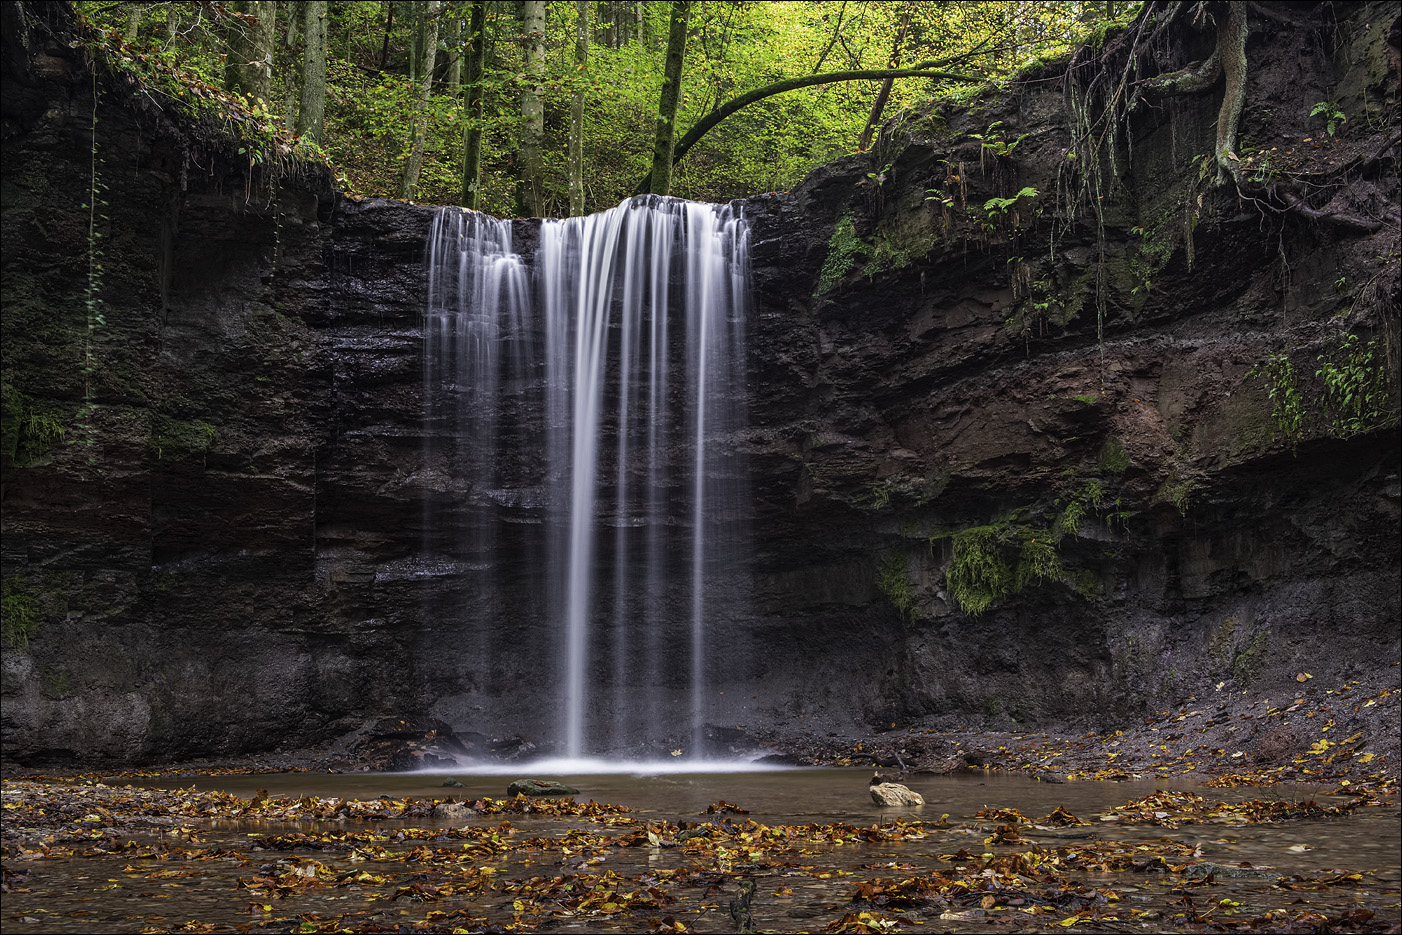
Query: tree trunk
{"type": "Point", "coordinates": [454, 76]}
{"type": "Point", "coordinates": [472, 125]}
{"type": "Point", "coordinates": [412, 165]}
{"type": "Point", "coordinates": [290, 94]}
{"type": "Point", "coordinates": [874, 120]}
{"type": "Point", "coordinates": [576, 153]}
{"type": "Point", "coordinates": [311, 118]}
{"type": "Point", "coordinates": [389, 26]}
{"type": "Point", "coordinates": [530, 179]}
{"type": "Point", "coordinates": [250, 66]}
{"type": "Point", "coordinates": [661, 176]}
{"type": "Point", "coordinates": [416, 39]}
{"type": "Point", "coordinates": [134, 14]}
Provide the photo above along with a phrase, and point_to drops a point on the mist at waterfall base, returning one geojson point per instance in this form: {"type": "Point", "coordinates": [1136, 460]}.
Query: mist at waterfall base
{"type": "Point", "coordinates": [584, 474]}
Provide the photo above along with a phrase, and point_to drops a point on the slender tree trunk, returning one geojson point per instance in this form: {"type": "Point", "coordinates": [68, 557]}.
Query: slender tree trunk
{"type": "Point", "coordinates": [172, 23]}
{"type": "Point", "coordinates": [250, 66]}
{"type": "Point", "coordinates": [416, 39]}
{"type": "Point", "coordinates": [530, 179]}
{"type": "Point", "coordinates": [134, 13]}
{"type": "Point", "coordinates": [576, 155]}
{"type": "Point", "coordinates": [472, 125]}
{"type": "Point", "coordinates": [661, 178]}
{"type": "Point", "coordinates": [454, 76]}
{"type": "Point", "coordinates": [291, 94]}
{"type": "Point", "coordinates": [389, 27]}
{"type": "Point", "coordinates": [879, 105]}
{"type": "Point", "coordinates": [311, 118]}
{"type": "Point", "coordinates": [414, 163]}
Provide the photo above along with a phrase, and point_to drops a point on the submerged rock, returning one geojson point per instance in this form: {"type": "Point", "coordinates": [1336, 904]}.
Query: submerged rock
{"type": "Point", "coordinates": [539, 787]}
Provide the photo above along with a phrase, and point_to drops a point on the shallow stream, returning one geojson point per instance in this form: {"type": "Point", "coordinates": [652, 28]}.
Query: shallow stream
{"type": "Point", "coordinates": [798, 890]}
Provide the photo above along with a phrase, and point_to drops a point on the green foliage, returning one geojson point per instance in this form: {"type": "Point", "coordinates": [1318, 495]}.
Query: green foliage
{"type": "Point", "coordinates": [1000, 148]}
{"type": "Point", "coordinates": [1287, 405]}
{"type": "Point", "coordinates": [1113, 457]}
{"type": "Point", "coordinates": [1086, 499]}
{"type": "Point", "coordinates": [1177, 489]}
{"type": "Point", "coordinates": [1037, 558]}
{"type": "Point", "coordinates": [1000, 206]}
{"type": "Point", "coordinates": [843, 248]}
{"type": "Point", "coordinates": [894, 583]}
{"type": "Point", "coordinates": [881, 494]}
{"type": "Point", "coordinates": [19, 617]}
{"type": "Point", "coordinates": [734, 48]}
{"type": "Point", "coordinates": [1334, 117]}
{"type": "Point", "coordinates": [26, 432]}
{"type": "Point", "coordinates": [979, 574]}
{"type": "Point", "coordinates": [1356, 393]}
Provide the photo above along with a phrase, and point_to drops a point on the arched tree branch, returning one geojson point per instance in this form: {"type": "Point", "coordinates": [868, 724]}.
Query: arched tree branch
{"type": "Point", "coordinates": [706, 123]}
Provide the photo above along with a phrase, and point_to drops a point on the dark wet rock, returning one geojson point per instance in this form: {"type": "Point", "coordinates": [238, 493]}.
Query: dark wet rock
{"type": "Point", "coordinates": [407, 744]}
{"type": "Point", "coordinates": [981, 758]}
{"type": "Point", "coordinates": [1228, 872]}
{"type": "Point", "coordinates": [511, 748]}
{"type": "Point", "coordinates": [537, 787]}
{"type": "Point", "coordinates": [453, 783]}
{"type": "Point", "coordinates": [940, 767]}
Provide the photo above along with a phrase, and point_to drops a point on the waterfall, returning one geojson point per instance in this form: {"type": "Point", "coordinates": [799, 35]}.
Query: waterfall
{"type": "Point", "coordinates": [639, 313]}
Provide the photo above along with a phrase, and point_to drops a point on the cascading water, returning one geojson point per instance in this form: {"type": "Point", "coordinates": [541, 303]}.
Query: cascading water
{"type": "Point", "coordinates": [640, 363]}
{"type": "Point", "coordinates": [477, 345]}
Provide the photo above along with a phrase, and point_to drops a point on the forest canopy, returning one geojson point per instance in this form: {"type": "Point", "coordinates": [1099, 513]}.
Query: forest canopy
{"type": "Point", "coordinates": [555, 108]}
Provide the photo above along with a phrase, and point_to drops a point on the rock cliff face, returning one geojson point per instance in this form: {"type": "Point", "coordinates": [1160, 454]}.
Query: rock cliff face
{"type": "Point", "coordinates": [1008, 461]}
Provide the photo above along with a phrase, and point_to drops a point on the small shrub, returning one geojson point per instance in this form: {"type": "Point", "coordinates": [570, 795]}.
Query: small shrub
{"type": "Point", "coordinates": [894, 583]}
{"type": "Point", "coordinates": [843, 248]}
{"type": "Point", "coordinates": [979, 575]}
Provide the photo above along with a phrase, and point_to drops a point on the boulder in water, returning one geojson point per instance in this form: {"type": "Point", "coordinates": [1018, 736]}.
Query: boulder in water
{"type": "Point", "coordinates": [886, 792]}
{"type": "Point", "coordinates": [539, 787]}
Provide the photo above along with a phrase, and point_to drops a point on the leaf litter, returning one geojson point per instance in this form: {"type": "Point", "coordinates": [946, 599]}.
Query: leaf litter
{"type": "Point", "coordinates": [314, 864]}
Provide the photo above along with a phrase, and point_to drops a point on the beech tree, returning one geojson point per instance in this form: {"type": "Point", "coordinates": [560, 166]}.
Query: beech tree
{"type": "Point", "coordinates": [472, 125]}
{"type": "Point", "coordinates": [312, 116]}
{"type": "Point", "coordinates": [414, 163]}
{"type": "Point", "coordinates": [530, 180]}
{"type": "Point", "coordinates": [250, 42]}
{"type": "Point", "coordinates": [576, 154]}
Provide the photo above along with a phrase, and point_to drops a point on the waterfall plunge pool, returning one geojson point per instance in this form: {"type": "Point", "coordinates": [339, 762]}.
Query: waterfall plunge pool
{"type": "Point", "coordinates": [812, 843]}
